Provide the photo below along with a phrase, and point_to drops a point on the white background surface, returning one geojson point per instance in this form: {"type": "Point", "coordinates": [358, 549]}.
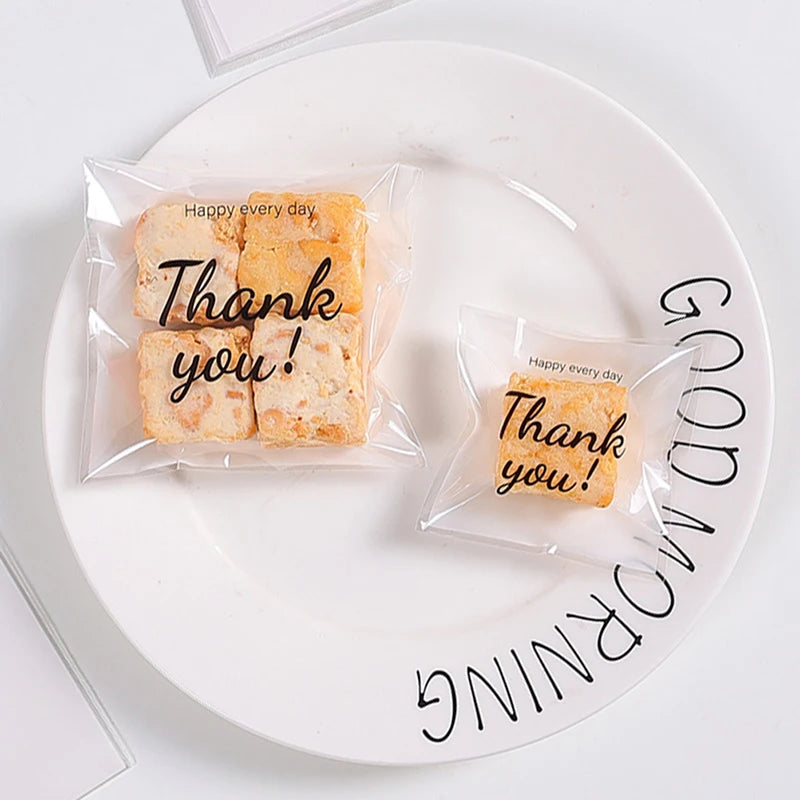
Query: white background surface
{"type": "Point", "coordinates": [43, 705]}
{"type": "Point", "coordinates": [718, 81]}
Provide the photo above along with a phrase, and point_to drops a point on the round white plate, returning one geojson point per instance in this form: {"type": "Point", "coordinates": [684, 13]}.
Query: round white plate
{"type": "Point", "coordinates": [306, 607]}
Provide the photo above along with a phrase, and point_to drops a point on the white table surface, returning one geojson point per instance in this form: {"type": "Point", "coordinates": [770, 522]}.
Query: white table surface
{"type": "Point", "coordinates": [718, 80]}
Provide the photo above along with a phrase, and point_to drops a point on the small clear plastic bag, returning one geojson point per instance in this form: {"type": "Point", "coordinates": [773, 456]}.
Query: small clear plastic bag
{"type": "Point", "coordinates": [566, 448]}
{"type": "Point", "coordinates": [159, 241]}
{"type": "Point", "coordinates": [236, 32]}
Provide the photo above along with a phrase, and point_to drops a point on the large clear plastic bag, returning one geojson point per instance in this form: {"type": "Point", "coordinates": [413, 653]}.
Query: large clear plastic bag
{"type": "Point", "coordinates": [474, 494]}
{"type": "Point", "coordinates": [117, 194]}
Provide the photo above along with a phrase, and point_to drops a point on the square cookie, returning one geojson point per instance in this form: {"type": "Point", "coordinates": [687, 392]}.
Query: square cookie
{"type": "Point", "coordinates": [167, 233]}
{"type": "Point", "coordinates": [218, 411]}
{"type": "Point", "coordinates": [287, 236]}
{"type": "Point", "coordinates": [317, 396]}
{"type": "Point", "coordinates": [561, 438]}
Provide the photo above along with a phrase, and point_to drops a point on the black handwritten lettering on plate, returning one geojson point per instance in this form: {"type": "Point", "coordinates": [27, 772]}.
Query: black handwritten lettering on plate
{"type": "Point", "coordinates": [660, 611]}
{"type": "Point", "coordinates": [444, 689]}
{"type": "Point", "coordinates": [679, 294]}
{"type": "Point", "coordinates": [676, 553]}
{"type": "Point", "coordinates": [610, 623]}
{"type": "Point", "coordinates": [684, 520]}
{"type": "Point", "coordinates": [704, 337]}
{"type": "Point", "coordinates": [317, 299]}
{"type": "Point", "coordinates": [737, 408]}
{"type": "Point", "coordinates": [578, 666]}
{"type": "Point", "coordinates": [491, 688]}
{"type": "Point", "coordinates": [504, 699]}
{"type": "Point", "coordinates": [726, 463]}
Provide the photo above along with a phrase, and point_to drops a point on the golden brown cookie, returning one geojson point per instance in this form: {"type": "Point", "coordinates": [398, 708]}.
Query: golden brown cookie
{"type": "Point", "coordinates": [219, 410]}
{"type": "Point", "coordinates": [316, 396]}
{"type": "Point", "coordinates": [166, 233]}
{"type": "Point", "coordinates": [287, 236]}
{"type": "Point", "coordinates": [561, 438]}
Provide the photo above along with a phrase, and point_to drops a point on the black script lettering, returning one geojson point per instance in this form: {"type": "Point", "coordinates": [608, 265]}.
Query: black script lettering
{"type": "Point", "coordinates": [244, 297]}
{"type": "Point", "coordinates": [219, 365]}
{"type": "Point", "coordinates": [613, 441]}
{"type": "Point", "coordinates": [423, 702]}
{"type": "Point", "coordinates": [181, 265]}
{"type": "Point", "coordinates": [514, 476]}
{"type": "Point", "coordinates": [693, 309]}
{"type": "Point", "coordinates": [269, 303]}
{"type": "Point", "coordinates": [736, 419]}
{"type": "Point", "coordinates": [725, 335]}
{"type": "Point", "coordinates": [533, 476]}
{"type": "Point", "coordinates": [316, 300]}
{"type": "Point", "coordinates": [530, 422]}
{"type": "Point", "coordinates": [316, 296]}
{"type": "Point", "coordinates": [196, 298]}
{"type": "Point", "coordinates": [579, 669]}
{"type": "Point", "coordinates": [506, 704]}
{"type": "Point", "coordinates": [729, 462]}
{"type": "Point", "coordinates": [605, 621]}
{"type": "Point", "coordinates": [222, 362]}
{"type": "Point", "coordinates": [694, 523]}
{"type": "Point", "coordinates": [559, 434]}
{"type": "Point", "coordinates": [648, 612]}
{"type": "Point", "coordinates": [536, 704]}
{"type": "Point", "coordinates": [517, 397]}
{"type": "Point", "coordinates": [677, 554]}
{"type": "Point", "coordinates": [255, 371]}
{"type": "Point", "coordinates": [191, 374]}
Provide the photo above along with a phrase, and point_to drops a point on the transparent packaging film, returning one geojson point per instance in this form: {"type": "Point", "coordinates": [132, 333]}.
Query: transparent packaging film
{"type": "Point", "coordinates": [566, 447]}
{"type": "Point", "coordinates": [58, 740]}
{"type": "Point", "coordinates": [239, 322]}
{"type": "Point", "coordinates": [236, 32]}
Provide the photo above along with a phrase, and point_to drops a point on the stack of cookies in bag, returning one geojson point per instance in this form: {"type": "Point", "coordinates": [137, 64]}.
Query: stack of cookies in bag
{"type": "Point", "coordinates": [258, 306]}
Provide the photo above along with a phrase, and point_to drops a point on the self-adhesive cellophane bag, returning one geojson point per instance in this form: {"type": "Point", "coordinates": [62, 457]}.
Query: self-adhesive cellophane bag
{"type": "Point", "coordinates": [566, 448]}
{"type": "Point", "coordinates": [239, 322]}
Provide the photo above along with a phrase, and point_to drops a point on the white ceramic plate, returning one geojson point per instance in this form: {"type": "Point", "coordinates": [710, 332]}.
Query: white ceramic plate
{"type": "Point", "coordinates": [305, 607]}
